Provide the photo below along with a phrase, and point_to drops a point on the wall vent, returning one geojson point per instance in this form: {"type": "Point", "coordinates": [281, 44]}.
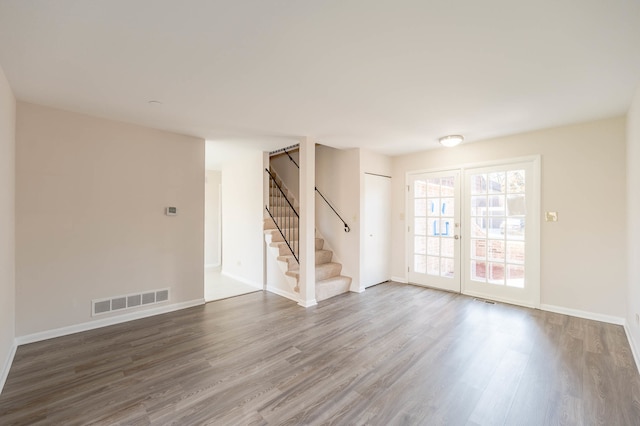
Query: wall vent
{"type": "Point", "coordinates": [120, 303]}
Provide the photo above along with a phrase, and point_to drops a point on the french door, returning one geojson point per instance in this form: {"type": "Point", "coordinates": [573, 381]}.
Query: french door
{"type": "Point", "coordinates": [479, 237]}
{"type": "Point", "coordinates": [434, 226]}
{"type": "Point", "coordinates": [501, 235]}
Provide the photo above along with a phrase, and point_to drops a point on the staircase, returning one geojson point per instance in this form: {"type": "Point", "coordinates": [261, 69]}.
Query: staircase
{"type": "Point", "coordinates": [329, 281]}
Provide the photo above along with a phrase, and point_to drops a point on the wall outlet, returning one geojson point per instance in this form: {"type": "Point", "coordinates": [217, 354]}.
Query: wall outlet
{"type": "Point", "coordinates": [551, 216]}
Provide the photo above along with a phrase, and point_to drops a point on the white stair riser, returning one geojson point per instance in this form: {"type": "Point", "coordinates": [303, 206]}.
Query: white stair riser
{"type": "Point", "coordinates": [332, 287]}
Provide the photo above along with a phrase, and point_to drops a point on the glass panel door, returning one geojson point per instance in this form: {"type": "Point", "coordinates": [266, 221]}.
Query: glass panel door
{"type": "Point", "coordinates": [434, 225]}
{"type": "Point", "coordinates": [502, 259]}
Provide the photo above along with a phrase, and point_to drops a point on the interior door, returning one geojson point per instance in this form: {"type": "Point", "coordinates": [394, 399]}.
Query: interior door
{"type": "Point", "coordinates": [434, 229]}
{"type": "Point", "coordinates": [377, 227]}
{"type": "Point", "coordinates": [501, 259]}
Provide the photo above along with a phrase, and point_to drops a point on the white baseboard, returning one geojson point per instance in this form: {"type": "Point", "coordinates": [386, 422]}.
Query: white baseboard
{"type": "Point", "coordinates": [283, 293]}
{"type": "Point", "coordinates": [91, 325]}
{"type": "Point", "coordinates": [212, 265]}
{"type": "Point", "coordinates": [634, 348]}
{"type": "Point", "coordinates": [242, 280]}
{"type": "Point", "coordinates": [308, 303]}
{"type": "Point", "coordinates": [583, 314]}
{"type": "Point", "coordinates": [402, 280]}
{"type": "Point", "coordinates": [7, 365]}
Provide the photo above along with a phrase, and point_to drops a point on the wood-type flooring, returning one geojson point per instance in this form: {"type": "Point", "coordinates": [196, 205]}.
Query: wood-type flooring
{"type": "Point", "coordinates": [393, 355]}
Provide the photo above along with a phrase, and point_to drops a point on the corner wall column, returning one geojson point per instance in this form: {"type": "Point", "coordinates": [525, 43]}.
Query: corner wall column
{"type": "Point", "coordinates": [307, 223]}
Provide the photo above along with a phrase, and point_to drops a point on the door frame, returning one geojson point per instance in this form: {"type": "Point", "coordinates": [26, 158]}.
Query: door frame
{"type": "Point", "coordinates": [533, 258]}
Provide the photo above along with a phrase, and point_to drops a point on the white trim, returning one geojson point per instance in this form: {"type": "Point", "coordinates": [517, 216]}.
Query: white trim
{"type": "Point", "coordinates": [7, 365]}
{"type": "Point", "coordinates": [212, 265]}
{"type": "Point", "coordinates": [308, 303]}
{"type": "Point", "coordinates": [402, 280]}
{"type": "Point", "coordinates": [498, 299]}
{"type": "Point", "coordinates": [242, 280]}
{"type": "Point", "coordinates": [91, 325]}
{"type": "Point", "coordinates": [283, 293]}
{"type": "Point", "coordinates": [583, 314]}
{"type": "Point", "coordinates": [634, 348]}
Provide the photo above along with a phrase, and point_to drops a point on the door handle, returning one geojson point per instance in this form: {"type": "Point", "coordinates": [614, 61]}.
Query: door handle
{"type": "Point", "coordinates": [457, 237]}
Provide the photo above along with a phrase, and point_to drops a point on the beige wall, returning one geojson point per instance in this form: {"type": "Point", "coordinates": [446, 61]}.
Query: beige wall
{"type": "Point", "coordinates": [633, 220]}
{"type": "Point", "coordinates": [242, 218]}
{"type": "Point", "coordinates": [212, 218]}
{"type": "Point", "coordinates": [583, 255]}
{"type": "Point", "coordinates": [7, 224]}
{"type": "Point", "coordinates": [338, 177]}
{"type": "Point", "coordinates": [90, 203]}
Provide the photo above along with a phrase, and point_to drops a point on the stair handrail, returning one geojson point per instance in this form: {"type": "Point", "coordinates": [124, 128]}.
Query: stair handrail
{"type": "Point", "coordinates": [284, 237]}
{"type": "Point", "coordinates": [346, 227]}
{"type": "Point", "coordinates": [282, 192]}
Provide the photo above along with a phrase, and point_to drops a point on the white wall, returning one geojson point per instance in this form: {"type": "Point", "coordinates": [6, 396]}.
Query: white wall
{"type": "Point", "coordinates": [583, 255]}
{"type": "Point", "coordinates": [212, 218]}
{"type": "Point", "coordinates": [7, 225]}
{"type": "Point", "coordinates": [338, 177]}
{"type": "Point", "coordinates": [90, 201]}
{"type": "Point", "coordinates": [242, 218]}
{"type": "Point", "coordinates": [633, 221]}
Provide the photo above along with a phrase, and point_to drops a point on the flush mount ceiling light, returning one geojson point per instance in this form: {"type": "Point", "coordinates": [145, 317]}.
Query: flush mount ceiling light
{"type": "Point", "coordinates": [451, 140]}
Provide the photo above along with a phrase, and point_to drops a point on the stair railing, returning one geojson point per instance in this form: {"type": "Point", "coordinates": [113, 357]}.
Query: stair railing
{"type": "Point", "coordinates": [346, 227]}
{"type": "Point", "coordinates": [284, 215]}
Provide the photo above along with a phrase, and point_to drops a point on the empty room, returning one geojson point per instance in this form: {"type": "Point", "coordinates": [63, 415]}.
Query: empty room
{"type": "Point", "coordinates": [319, 212]}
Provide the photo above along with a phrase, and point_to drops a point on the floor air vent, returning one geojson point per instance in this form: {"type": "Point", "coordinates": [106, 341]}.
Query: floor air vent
{"type": "Point", "coordinates": [120, 303]}
{"type": "Point", "coordinates": [488, 302]}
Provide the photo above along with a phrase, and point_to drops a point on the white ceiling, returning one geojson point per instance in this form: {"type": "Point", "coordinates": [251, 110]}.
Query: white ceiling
{"type": "Point", "coordinates": [388, 75]}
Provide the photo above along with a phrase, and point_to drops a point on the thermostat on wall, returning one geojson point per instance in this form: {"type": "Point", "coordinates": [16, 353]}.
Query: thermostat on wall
{"type": "Point", "coordinates": [171, 211]}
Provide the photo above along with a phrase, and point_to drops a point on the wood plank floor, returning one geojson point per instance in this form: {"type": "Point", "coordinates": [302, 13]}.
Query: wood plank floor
{"type": "Point", "coordinates": [394, 355]}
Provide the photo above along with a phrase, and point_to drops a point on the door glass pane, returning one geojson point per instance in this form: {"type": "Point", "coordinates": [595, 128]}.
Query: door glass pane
{"type": "Point", "coordinates": [515, 228]}
{"type": "Point", "coordinates": [478, 270]}
{"type": "Point", "coordinates": [446, 227]}
{"type": "Point", "coordinates": [433, 246]}
{"type": "Point", "coordinates": [515, 276]}
{"type": "Point", "coordinates": [433, 265]}
{"type": "Point", "coordinates": [447, 188]}
{"type": "Point", "coordinates": [433, 207]}
{"type": "Point", "coordinates": [447, 209]}
{"type": "Point", "coordinates": [433, 227]}
{"type": "Point", "coordinates": [433, 187]}
{"type": "Point", "coordinates": [516, 205]}
{"type": "Point", "coordinates": [478, 227]}
{"type": "Point", "coordinates": [515, 181]}
{"type": "Point", "coordinates": [495, 205]}
{"type": "Point", "coordinates": [496, 273]}
{"type": "Point", "coordinates": [420, 263]}
{"type": "Point", "coordinates": [479, 184]}
{"type": "Point", "coordinates": [497, 182]}
{"type": "Point", "coordinates": [446, 267]}
{"type": "Point", "coordinates": [498, 213]}
{"type": "Point", "coordinates": [479, 205]}
{"type": "Point", "coordinates": [420, 207]}
{"type": "Point", "coordinates": [478, 249]}
{"type": "Point", "coordinates": [515, 251]}
{"type": "Point", "coordinates": [448, 246]}
{"type": "Point", "coordinates": [496, 250]}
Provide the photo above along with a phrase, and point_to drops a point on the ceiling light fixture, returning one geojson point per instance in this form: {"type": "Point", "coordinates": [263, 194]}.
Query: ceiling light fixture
{"type": "Point", "coordinates": [451, 140]}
